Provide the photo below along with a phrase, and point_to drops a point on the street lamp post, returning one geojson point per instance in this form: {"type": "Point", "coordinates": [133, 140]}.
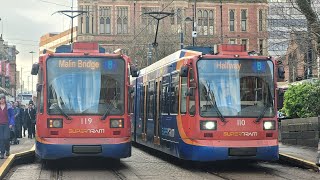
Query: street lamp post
{"type": "Point", "coordinates": [31, 52]}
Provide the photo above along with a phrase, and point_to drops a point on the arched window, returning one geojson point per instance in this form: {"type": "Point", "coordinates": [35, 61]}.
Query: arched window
{"type": "Point", "coordinates": [108, 25]}
{"type": "Point", "coordinates": [243, 20]}
{"type": "Point", "coordinates": [119, 25]}
{"type": "Point", "coordinates": [200, 22]}
{"type": "Point", "coordinates": [205, 22]}
{"type": "Point", "coordinates": [122, 20]}
{"type": "Point", "coordinates": [125, 25]}
{"type": "Point", "coordinates": [211, 22]}
{"type": "Point", "coordinates": [87, 24]}
{"type": "Point", "coordinates": [231, 20]}
{"type": "Point", "coordinates": [101, 27]}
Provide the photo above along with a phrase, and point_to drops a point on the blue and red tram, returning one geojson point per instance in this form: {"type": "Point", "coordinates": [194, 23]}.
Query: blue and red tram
{"type": "Point", "coordinates": [82, 103]}
{"type": "Point", "coordinates": [208, 107]}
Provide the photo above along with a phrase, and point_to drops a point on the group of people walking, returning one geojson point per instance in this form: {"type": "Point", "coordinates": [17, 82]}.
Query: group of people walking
{"type": "Point", "coordinates": [15, 120]}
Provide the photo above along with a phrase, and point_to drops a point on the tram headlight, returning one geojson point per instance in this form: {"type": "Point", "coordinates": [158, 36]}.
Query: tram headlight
{"type": "Point", "coordinates": [208, 125]}
{"type": "Point", "coordinates": [269, 125]}
{"type": "Point", "coordinates": [116, 123]}
{"type": "Point", "coordinates": [55, 123]}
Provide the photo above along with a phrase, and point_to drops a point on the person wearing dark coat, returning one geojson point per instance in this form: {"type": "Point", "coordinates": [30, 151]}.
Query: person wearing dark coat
{"type": "Point", "coordinates": [23, 122]}
{"type": "Point", "coordinates": [30, 119]}
{"type": "Point", "coordinates": [17, 120]}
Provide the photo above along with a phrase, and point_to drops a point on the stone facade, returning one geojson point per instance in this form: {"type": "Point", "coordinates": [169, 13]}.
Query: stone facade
{"type": "Point", "coordinates": [122, 24]}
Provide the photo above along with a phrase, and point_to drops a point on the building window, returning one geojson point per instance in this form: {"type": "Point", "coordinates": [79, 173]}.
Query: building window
{"type": "Point", "coordinates": [232, 41]}
{"type": "Point", "coordinates": [81, 25]}
{"type": "Point", "coordinates": [260, 20]}
{"type": "Point", "coordinates": [211, 22]}
{"type": "Point", "coordinates": [105, 23]}
{"type": "Point", "coordinates": [205, 22]}
{"type": "Point", "coordinates": [81, 21]}
{"type": "Point", "coordinates": [245, 42]}
{"type": "Point", "coordinates": [261, 46]}
{"type": "Point", "coordinates": [87, 20]}
{"type": "Point", "coordinates": [122, 20]}
{"type": "Point", "coordinates": [243, 20]}
{"type": "Point", "coordinates": [87, 24]}
{"type": "Point", "coordinates": [231, 20]}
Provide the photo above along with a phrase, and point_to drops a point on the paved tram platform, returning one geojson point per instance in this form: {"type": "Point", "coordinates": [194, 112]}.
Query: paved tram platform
{"type": "Point", "coordinates": [24, 145]}
{"type": "Point", "coordinates": [303, 153]}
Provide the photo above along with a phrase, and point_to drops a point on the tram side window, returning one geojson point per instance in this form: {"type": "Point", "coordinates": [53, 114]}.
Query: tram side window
{"type": "Point", "coordinates": [192, 103]}
{"type": "Point", "coordinates": [142, 102]}
{"type": "Point", "coordinates": [174, 94]}
{"type": "Point", "coordinates": [164, 96]}
{"type": "Point", "coordinates": [150, 102]}
{"type": "Point", "coordinates": [183, 94]}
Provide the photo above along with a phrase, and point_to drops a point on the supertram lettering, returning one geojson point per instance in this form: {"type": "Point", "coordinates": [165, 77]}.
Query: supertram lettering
{"type": "Point", "coordinates": [240, 134]}
{"type": "Point", "coordinates": [83, 131]}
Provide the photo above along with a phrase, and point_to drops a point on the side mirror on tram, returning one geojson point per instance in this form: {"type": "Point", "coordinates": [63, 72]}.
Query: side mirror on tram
{"type": "Point", "coordinates": [39, 87]}
{"type": "Point", "coordinates": [184, 71]}
{"type": "Point", "coordinates": [35, 69]}
{"type": "Point", "coordinates": [281, 72]}
{"type": "Point", "coordinates": [134, 71]}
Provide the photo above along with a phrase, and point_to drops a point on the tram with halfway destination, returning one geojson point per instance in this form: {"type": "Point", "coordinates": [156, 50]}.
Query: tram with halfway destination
{"type": "Point", "coordinates": [82, 103]}
{"type": "Point", "coordinates": [208, 107]}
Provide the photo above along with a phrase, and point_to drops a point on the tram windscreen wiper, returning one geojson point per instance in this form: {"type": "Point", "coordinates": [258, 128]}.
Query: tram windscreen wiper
{"type": "Point", "coordinates": [211, 96]}
{"type": "Point", "coordinates": [214, 104]}
{"type": "Point", "coordinates": [62, 111]}
{"type": "Point", "coordinates": [104, 116]}
{"type": "Point", "coordinates": [263, 112]}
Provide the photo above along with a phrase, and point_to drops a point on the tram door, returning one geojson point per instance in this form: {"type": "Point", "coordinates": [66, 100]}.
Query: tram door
{"type": "Point", "coordinates": [143, 112]}
{"type": "Point", "coordinates": [151, 105]}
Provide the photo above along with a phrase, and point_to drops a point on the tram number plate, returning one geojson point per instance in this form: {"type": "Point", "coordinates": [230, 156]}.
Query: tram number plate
{"type": "Point", "coordinates": [86, 120]}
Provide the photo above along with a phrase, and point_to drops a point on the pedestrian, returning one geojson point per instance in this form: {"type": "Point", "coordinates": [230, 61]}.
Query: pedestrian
{"type": "Point", "coordinates": [17, 120]}
{"type": "Point", "coordinates": [23, 120]}
{"type": "Point", "coordinates": [30, 118]}
{"type": "Point", "coordinates": [6, 123]}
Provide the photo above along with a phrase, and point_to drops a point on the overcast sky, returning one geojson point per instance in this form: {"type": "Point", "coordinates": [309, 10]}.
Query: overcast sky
{"type": "Point", "coordinates": [25, 21]}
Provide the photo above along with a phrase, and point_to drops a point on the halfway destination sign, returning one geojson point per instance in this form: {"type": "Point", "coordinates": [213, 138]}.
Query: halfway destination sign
{"type": "Point", "coordinates": [79, 64]}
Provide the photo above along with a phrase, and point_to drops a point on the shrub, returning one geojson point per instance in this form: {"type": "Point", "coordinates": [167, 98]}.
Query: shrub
{"type": "Point", "coordinates": [302, 100]}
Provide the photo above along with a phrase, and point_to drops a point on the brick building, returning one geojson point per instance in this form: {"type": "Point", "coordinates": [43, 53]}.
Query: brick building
{"type": "Point", "coordinates": [122, 24]}
{"type": "Point", "coordinates": [296, 59]}
{"type": "Point", "coordinates": [8, 78]}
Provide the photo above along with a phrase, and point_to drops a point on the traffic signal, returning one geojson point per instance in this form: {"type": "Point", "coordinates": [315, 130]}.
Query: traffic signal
{"type": "Point", "coordinates": [7, 82]}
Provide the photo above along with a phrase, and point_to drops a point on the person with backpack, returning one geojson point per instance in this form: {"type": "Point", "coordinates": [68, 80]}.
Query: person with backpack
{"type": "Point", "coordinates": [6, 123]}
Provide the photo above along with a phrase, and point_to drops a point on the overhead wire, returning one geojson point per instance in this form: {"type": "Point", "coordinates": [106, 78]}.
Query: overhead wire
{"type": "Point", "coordinates": [49, 2]}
